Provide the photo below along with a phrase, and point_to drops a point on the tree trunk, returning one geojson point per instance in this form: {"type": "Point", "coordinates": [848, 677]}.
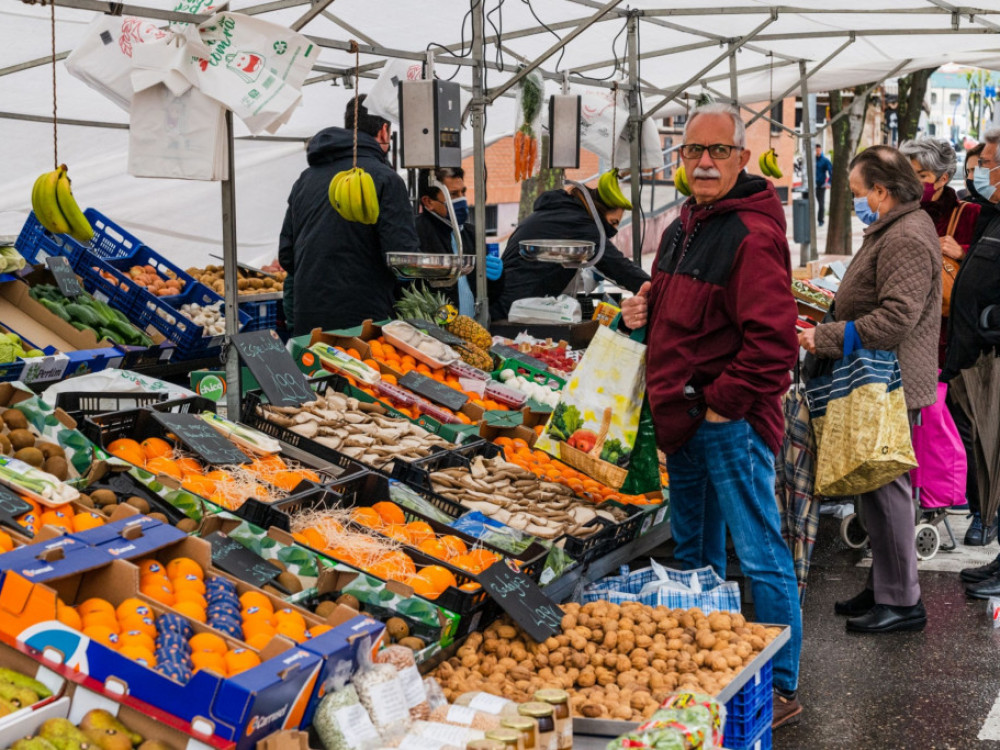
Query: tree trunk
{"type": "Point", "coordinates": [912, 90]}
{"type": "Point", "coordinates": [846, 136]}
{"type": "Point", "coordinates": [546, 179]}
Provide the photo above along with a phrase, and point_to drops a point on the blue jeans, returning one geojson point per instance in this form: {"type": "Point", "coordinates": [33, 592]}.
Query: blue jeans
{"type": "Point", "coordinates": [724, 476]}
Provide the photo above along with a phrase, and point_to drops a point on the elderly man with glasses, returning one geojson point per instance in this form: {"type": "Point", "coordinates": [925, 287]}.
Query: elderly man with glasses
{"type": "Point", "coordinates": [721, 334]}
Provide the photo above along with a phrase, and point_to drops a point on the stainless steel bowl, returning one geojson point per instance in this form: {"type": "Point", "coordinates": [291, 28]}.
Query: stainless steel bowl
{"type": "Point", "coordinates": [440, 270]}
{"type": "Point", "coordinates": [567, 252]}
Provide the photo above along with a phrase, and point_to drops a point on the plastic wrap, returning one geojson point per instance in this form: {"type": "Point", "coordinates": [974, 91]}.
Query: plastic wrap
{"type": "Point", "coordinates": [413, 686]}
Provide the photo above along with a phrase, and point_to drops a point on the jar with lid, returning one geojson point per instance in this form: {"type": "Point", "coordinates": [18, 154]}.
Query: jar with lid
{"type": "Point", "coordinates": [510, 738]}
{"type": "Point", "coordinates": [544, 716]}
{"type": "Point", "coordinates": [485, 745]}
{"type": "Point", "coordinates": [527, 727]}
{"type": "Point", "coordinates": [559, 700]}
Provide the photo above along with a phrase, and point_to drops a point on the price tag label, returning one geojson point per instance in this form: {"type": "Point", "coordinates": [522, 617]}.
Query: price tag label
{"type": "Point", "coordinates": [440, 334]}
{"type": "Point", "coordinates": [11, 508]}
{"type": "Point", "coordinates": [523, 600]}
{"type": "Point", "coordinates": [282, 381]}
{"type": "Point", "coordinates": [233, 558]}
{"type": "Point", "coordinates": [66, 280]}
{"type": "Point", "coordinates": [202, 438]}
{"type": "Point", "coordinates": [434, 391]}
{"type": "Point", "coordinates": [508, 352]}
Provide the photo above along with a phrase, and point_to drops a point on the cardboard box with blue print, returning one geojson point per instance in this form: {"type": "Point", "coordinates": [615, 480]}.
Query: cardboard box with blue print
{"type": "Point", "coordinates": [335, 638]}
{"type": "Point", "coordinates": [26, 689]}
{"type": "Point", "coordinates": [243, 707]}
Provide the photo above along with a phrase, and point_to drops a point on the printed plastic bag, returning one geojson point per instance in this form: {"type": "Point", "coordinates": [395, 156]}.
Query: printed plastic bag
{"type": "Point", "coordinates": [600, 124]}
{"type": "Point", "coordinates": [528, 126]}
{"type": "Point", "coordinates": [542, 310]}
{"type": "Point", "coordinates": [383, 99]}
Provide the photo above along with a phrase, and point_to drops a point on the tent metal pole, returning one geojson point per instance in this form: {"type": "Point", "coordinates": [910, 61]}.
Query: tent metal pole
{"type": "Point", "coordinates": [233, 389]}
{"type": "Point", "coordinates": [29, 64]}
{"type": "Point", "coordinates": [752, 111]}
{"type": "Point", "coordinates": [734, 91]}
{"type": "Point", "coordinates": [735, 46]}
{"type": "Point", "coordinates": [349, 28]}
{"type": "Point", "coordinates": [634, 136]}
{"type": "Point", "coordinates": [581, 27]}
{"type": "Point", "coordinates": [478, 112]}
{"type": "Point", "coordinates": [867, 92]}
{"type": "Point", "coordinates": [819, 66]}
{"type": "Point", "coordinates": [807, 116]}
{"type": "Point", "coordinates": [318, 7]}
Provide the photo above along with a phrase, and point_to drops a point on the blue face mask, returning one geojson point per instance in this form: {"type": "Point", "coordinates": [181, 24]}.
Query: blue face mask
{"type": "Point", "coordinates": [863, 210]}
{"type": "Point", "coordinates": [461, 206]}
{"type": "Point", "coordinates": [981, 181]}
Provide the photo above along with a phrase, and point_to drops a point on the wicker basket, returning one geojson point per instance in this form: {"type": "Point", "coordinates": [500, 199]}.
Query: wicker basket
{"type": "Point", "coordinates": [591, 463]}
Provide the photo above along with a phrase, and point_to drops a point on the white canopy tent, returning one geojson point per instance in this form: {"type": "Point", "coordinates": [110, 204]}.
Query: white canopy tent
{"type": "Point", "coordinates": [672, 50]}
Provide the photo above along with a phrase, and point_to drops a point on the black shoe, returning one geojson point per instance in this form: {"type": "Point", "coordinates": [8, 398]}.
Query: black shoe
{"type": "Point", "coordinates": [974, 534]}
{"type": "Point", "coordinates": [819, 224]}
{"type": "Point", "coordinates": [884, 618]}
{"type": "Point", "coordinates": [860, 604]}
{"type": "Point", "coordinates": [982, 573]}
{"type": "Point", "coordinates": [986, 588]}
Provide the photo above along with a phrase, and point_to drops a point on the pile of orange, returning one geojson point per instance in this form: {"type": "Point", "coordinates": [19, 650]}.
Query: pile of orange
{"type": "Point", "coordinates": [261, 621]}
{"type": "Point", "coordinates": [65, 517]}
{"type": "Point", "coordinates": [543, 466]}
{"type": "Point", "coordinates": [157, 456]}
{"type": "Point", "coordinates": [6, 543]}
{"type": "Point", "coordinates": [179, 583]}
{"type": "Point", "coordinates": [212, 653]}
{"type": "Point", "coordinates": [129, 628]}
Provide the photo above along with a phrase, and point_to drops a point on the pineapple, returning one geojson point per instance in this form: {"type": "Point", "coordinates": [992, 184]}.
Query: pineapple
{"type": "Point", "coordinates": [473, 355]}
{"type": "Point", "coordinates": [433, 306]}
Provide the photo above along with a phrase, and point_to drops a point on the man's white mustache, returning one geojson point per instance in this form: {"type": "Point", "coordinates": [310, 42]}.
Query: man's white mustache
{"type": "Point", "coordinates": [709, 172]}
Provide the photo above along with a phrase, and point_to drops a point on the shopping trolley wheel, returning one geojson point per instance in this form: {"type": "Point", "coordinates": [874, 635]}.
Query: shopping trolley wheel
{"type": "Point", "coordinates": [928, 541]}
{"type": "Point", "coordinates": [852, 532]}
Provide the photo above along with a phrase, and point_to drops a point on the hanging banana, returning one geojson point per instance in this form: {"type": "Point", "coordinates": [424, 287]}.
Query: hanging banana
{"type": "Point", "coordinates": [768, 163]}
{"type": "Point", "coordinates": [352, 193]}
{"type": "Point", "coordinates": [610, 192]}
{"type": "Point", "coordinates": [55, 207]}
{"type": "Point", "coordinates": [681, 181]}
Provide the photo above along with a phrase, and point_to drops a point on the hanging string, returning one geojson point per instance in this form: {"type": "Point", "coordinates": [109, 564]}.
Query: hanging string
{"type": "Point", "coordinates": [55, 128]}
{"type": "Point", "coordinates": [614, 122]}
{"type": "Point", "coordinates": [357, 85]}
{"type": "Point", "coordinates": [770, 98]}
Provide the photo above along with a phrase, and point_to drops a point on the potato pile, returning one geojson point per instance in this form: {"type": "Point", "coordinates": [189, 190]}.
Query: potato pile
{"type": "Point", "coordinates": [212, 277]}
{"type": "Point", "coordinates": [617, 661]}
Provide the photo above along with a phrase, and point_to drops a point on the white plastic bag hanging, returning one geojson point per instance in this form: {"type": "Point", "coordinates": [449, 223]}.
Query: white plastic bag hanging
{"type": "Point", "coordinates": [651, 150]}
{"type": "Point", "coordinates": [383, 99]}
{"type": "Point", "coordinates": [528, 126]}
{"type": "Point", "coordinates": [600, 124]}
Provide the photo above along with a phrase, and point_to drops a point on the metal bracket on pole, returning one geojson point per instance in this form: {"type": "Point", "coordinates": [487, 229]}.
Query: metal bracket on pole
{"type": "Point", "coordinates": [429, 66]}
{"type": "Point", "coordinates": [634, 136]}
{"type": "Point", "coordinates": [565, 82]}
{"type": "Point", "coordinates": [234, 390]}
{"type": "Point", "coordinates": [735, 46]}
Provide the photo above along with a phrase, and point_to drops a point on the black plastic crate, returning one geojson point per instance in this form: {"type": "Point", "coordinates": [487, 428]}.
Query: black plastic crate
{"type": "Point", "coordinates": [416, 472]}
{"type": "Point", "coordinates": [80, 405]}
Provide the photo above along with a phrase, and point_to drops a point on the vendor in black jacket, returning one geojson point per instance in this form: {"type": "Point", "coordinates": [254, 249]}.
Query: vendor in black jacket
{"type": "Point", "coordinates": [561, 215]}
{"type": "Point", "coordinates": [337, 267]}
{"type": "Point", "coordinates": [436, 235]}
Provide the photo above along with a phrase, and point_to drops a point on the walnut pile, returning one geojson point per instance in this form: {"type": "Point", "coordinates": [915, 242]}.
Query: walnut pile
{"type": "Point", "coordinates": [617, 662]}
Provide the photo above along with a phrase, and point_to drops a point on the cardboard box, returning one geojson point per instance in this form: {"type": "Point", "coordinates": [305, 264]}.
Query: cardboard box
{"type": "Point", "coordinates": [19, 661]}
{"type": "Point", "coordinates": [53, 559]}
{"type": "Point", "coordinates": [28, 722]}
{"type": "Point", "coordinates": [243, 708]}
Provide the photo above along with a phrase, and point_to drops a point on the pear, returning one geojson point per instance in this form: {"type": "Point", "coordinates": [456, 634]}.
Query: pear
{"type": "Point", "coordinates": [18, 696]}
{"type": "Point", "coordinates": [101, 724]}
{"type": "Point", "coordinates": [64, 734]}
{"type": "Point", "coordinates": [32, 743]}
{"type": "Point", "coordinates": [6, 707]}
{"type": "Point", "coordinates": [154, 745]}
{"type": "Point", "coordinates": [20, 680]}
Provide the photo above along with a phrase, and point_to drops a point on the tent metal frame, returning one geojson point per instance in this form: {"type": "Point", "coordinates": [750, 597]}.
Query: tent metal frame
{"type": "Point", "coordinates": [754, 40]}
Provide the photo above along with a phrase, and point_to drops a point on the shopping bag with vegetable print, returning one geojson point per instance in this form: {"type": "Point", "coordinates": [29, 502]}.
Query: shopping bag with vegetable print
{"type": "Point", "coordinates": [603, 426]}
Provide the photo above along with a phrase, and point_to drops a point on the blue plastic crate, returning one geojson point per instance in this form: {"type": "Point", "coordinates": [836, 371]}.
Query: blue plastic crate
{"type": "Point", "coordinates": [36, 243]}
{"type": "Point", "coordinates": [147, 256]}
{"type": "Point", "coordinates": [119, 291]}
{"type": "Point", "coordinates": [749, 713]}
{"type": "Point", "coordinates": [190, 339]}
{"type": "Point", "coordinates": [110, 240]}
{"type": "Point", "coordinates": [263, 315]}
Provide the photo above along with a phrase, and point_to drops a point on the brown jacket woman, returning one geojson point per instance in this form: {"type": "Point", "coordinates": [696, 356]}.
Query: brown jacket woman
{"type": "Point", "coordinates": [892, 292]}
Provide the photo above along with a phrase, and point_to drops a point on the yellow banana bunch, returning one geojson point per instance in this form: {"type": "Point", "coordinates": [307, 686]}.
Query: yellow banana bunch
{"type": "Point", "coordinates": [768, 163]}
{"type": "Point", "coordinates": [681, 181]}
{"type": "Point", "coordinates": [352, 194]}
{"type": "Point", "coordinates": [55, 207]}
{"type": "Point", "coordinates": [610, 192]}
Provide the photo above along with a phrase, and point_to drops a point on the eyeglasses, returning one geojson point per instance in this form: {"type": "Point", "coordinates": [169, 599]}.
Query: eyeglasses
{"type": "Point", "coordinates": [716, 151]}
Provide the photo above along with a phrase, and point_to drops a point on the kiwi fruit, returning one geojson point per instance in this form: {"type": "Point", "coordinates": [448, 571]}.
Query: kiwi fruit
{"type": "Point", "coordinates": [349, 600]}
{"type": "Point", "coordinates": [85, 500]}
{"type": "Point", "coordinates": [187, 525]}
{"type": "Point", "coordinates": [290, 581]}
{"type": "Point", "coordinates": [21, 439]}
{"type": "Point", "coordinates": [397, 628]}
{"type": "Point", "coordinates": [50, 449]}
{"type": "Point", "coordinates": [162, 518]}
{"type": "Point", "coordinates": [109, 509]}
{"type": "Point", "coordinates": [55, 465]}
{"type": "Point", "coordinates": [15, 420]}
{"type": "Point", "coordinates": [34, 457]}
{"type": "Point", "coordinates": [410, 642]}
{"type": "Point", "coordinates": [272, 590]}
{"type": "Point", "coordinates": [279, 565]}
{"type": "Point", "coordinates": [5, 447]}
{"type": "Point", "coordinates": [102, 498]}
{"type": "Point", "coordinates": [324, 609]}
{"type": "Point", "coordinates": [138, 503]}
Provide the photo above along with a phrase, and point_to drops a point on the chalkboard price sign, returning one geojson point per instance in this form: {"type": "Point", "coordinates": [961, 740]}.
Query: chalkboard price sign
{"type": "Point", "coordinates": [439, 333]}
{"type": "Point", "coordinates": [12, 507]}
{"type": "Point", "coordinates": [521, 598]}
{"type": "Point", "coordinates": [431, 389]}
{"type": "Point", "coordinates": [232, 557]}
{"type": "Point", "coordinates": [61, 270]}
{"type": "Point", "coordinates": [283, 383]}
{"type": "Point", "coordinates": [202, 438]}
{"type": "Point", "coordinates": [508, 352]}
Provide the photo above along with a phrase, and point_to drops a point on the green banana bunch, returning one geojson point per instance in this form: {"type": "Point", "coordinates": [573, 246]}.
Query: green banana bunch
{"type": "Point", "coordinates": [768, 163]}
{"type": "Point", "coordinates": [610, 192]}
{"type": "Point", "coordinates": [681, 181]}
{"type": "Point", "coordinates": [53, 203]}
{"type": "Point", "coordinates": [352, 194]}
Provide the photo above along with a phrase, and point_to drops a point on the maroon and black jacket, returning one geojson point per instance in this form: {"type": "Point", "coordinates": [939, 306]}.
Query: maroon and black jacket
{"type": "Point", "coordinates": [722, 316]}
